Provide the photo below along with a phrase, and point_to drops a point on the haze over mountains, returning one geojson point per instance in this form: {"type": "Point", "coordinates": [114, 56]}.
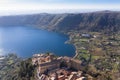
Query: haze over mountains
{"type": "Point", "coordinates": [94, 21]}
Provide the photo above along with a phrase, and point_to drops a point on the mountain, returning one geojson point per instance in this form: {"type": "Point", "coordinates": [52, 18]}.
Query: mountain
{"type": "Point", "coordinates": [94, 21]}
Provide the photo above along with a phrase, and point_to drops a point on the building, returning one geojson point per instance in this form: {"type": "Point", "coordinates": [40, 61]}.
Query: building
{"type": "Point", "coordinates": [73, 63]}
{"type": "Point", "coordinates": [45, 67]}
{"type": "Point", "coordinates": [86, 35]}
{"type": "Point", "coordinates": [47, 64]}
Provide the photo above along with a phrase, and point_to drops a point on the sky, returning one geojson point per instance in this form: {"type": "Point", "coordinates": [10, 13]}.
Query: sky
{"type": "Point", "coordinates": [53, 6]}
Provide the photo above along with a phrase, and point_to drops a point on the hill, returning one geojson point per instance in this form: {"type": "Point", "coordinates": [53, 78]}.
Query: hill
{"type": "Point", "coordinates": [94, 21]}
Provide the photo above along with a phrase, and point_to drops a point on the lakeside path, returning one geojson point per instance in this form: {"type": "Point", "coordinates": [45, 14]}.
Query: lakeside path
{"type": "Point", "coordinates": [76, 54]}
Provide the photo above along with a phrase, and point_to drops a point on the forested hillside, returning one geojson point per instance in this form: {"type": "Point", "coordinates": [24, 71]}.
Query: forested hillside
{"type": "Point", "coordinates": [95, 21]}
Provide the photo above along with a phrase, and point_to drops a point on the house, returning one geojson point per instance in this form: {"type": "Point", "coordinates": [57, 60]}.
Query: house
{"type": "Point", "coordinates": [86, 35]}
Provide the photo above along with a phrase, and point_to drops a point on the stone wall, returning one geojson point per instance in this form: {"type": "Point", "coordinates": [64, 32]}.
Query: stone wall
{"type": "Point", "coordinates": [73, 63]}
{"type": "Point", "coordinates": [49, 66]}
{"type": "Point", "coordinates": [76, 64]}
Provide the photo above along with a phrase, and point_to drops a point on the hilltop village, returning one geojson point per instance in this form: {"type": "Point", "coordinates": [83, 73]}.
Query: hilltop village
{"type": "Point", "coordinates": [96, 37]}
{"type": "Point", "coordinates": [50, 67]}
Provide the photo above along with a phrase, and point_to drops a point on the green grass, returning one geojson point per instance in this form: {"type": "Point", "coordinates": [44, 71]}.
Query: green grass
{"type": "Point", "coordinates": [95, 57]}
{"type": "Point", "coordinates": [10, 62]}
{"type": "Point", "coordinates": [83, 40]}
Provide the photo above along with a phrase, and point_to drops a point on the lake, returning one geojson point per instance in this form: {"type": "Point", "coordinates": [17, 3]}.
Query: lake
{"type": "Point", "coordinates": [26, 41]}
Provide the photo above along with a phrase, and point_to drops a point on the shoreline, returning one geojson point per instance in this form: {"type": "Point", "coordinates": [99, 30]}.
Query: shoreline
{"type": "Point", "coordinates": [76, 52]}
{"type": "Point", "coordinates": [66, 42]}
{"type": "Point", "coordinates": [69, 42]}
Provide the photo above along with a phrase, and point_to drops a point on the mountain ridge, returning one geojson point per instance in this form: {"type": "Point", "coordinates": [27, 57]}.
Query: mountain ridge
{"type": "Point", "coordinates": [93, 21]}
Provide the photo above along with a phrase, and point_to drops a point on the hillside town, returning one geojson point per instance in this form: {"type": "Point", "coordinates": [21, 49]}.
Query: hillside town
{"type": "Point", "coordinates": [50, 67]}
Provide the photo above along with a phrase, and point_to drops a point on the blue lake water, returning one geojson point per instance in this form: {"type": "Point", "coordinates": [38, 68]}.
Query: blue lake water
{"type": "Point", "coordinates": [26, 41]}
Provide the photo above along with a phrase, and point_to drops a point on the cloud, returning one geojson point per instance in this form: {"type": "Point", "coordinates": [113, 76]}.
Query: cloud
{"type": "Point", "coordinates": [20, 6]}
{"type": "Point", "coordinates": [36, 6]}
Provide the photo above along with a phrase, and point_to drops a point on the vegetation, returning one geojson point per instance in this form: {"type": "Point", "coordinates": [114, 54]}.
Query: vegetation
{"type": "Point", "coordinates": [14, 68]}
{"type": "Point", "coordinates": [97, 21]}
{"type": "Point", "coordinates": [100, 54]}
{"type": "Point", "coordinates": [27, 70]}
{"type": "Point", "coordinates": [9, 67]}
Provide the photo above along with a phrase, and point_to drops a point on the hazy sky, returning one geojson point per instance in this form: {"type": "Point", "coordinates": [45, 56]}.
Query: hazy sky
{"type": "Point", "coordinates": [31, 6]}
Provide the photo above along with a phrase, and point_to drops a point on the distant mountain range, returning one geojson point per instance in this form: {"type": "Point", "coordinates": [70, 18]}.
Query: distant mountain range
{"type": "Point", "coordinates": [93, 21]}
